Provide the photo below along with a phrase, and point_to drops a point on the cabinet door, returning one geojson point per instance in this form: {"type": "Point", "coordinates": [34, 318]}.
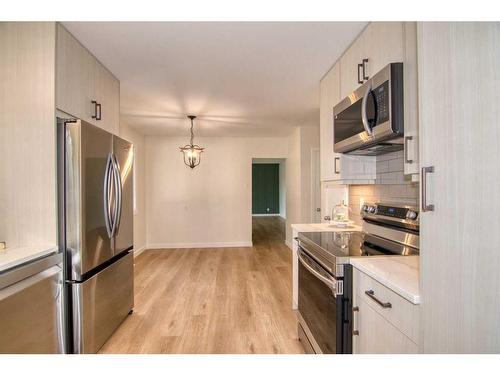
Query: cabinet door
{"type": "Point", "coordinates": [376, 335]}
{"type": "Point", "coordinates": [108, 93]}
{"type": "Point", "coordinates": [349, 66]}
{"type": "Point", "coordinates": [71, 74]}
{"type": "Point", "coordinates": [329, 95]}
{"type": "Point", "coordinates": [82, 79]}
{"type": "Point", "coordinates": [459, 87]}
{"type": "Point", "coordinates": [90, 89]}
{"type": "Point", "coordinates": [383, 44]}
{"type": "Point", "coordinates": [411, 165]}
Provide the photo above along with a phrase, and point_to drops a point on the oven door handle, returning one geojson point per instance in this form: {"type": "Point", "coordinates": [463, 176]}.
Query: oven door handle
{"type": "Point", "coordinates": [332, 284]}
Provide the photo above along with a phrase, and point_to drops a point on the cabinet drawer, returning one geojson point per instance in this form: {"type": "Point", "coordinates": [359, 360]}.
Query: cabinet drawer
{"type": "Point", "coordinates": [376, 335]}
{"type": "Point", "coordinates": [402, 314]}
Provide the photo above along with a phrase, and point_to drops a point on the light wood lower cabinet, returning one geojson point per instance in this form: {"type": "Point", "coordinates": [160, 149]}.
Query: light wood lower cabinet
{"type": "Point", "coordinates": [379, 329]}
{"type": "Point", "coordinates": [376, 335]}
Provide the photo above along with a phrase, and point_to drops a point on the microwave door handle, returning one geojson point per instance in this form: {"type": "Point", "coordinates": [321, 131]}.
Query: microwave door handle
{"type": "Point", "coordinates": [364, 115]}
{"type": "Point", "coordinates": [331, 284]}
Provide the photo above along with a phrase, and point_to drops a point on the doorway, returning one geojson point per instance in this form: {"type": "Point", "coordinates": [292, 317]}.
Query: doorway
{"type": "Point", "coordinates": [268, 200]}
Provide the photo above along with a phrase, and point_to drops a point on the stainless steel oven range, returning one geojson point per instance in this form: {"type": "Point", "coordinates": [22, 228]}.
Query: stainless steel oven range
{"type": "Point", "coordinates": [325, 276]}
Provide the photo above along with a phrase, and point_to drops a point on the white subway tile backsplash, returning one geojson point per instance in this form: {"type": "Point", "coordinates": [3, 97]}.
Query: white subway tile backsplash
{"type": "Point", "coordinates": [391, 186]}
{"type": "Point", "coordinates": [396, 164]}
{"type": "Point", "coordinates": [382, 166]}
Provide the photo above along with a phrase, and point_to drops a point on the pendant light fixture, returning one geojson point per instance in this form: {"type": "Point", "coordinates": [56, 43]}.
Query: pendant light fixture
{"type": "Point", "coordinates": [192, 152]}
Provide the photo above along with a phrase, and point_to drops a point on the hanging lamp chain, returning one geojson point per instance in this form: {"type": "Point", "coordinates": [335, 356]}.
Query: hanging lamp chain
{"type": "Point", "coordinates": [192, 133]}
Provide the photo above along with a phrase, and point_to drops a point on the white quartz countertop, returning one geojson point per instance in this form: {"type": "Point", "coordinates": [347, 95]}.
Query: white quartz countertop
{"type": "Point", "coordinates": [324, 227]}
{"type": "Point", "coordinates": [12, 257]}
{"type": "Point", "coordinates": [398, 273]}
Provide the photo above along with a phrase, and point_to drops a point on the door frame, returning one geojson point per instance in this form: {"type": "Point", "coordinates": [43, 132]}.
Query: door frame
{"type": "Point", "coordinates": [315, 191]}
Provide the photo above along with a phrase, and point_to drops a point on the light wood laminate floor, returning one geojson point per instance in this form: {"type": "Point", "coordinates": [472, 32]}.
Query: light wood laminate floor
{"type": "Point", "coordinates": [225, 300]}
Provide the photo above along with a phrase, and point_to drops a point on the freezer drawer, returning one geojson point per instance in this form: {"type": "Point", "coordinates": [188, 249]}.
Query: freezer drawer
{"type": "Point", "coordinates": [30, 314]}
{"type": "Point", "coordinates": [101, 303]}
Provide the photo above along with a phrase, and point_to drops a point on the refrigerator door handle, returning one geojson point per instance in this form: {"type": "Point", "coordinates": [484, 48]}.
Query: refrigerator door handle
{"type": "Point", "coordinates": [107, 195]}
{"type": "Point", "coordinates": [118, 197]}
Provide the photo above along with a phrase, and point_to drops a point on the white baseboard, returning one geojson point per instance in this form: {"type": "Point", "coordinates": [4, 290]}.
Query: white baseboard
{"type": "Point", "coordinates": [157, 246]}
{"type": "Point", "coordinates": [138, 251]}
{"type": "Point", "coordinates": [257, 215]}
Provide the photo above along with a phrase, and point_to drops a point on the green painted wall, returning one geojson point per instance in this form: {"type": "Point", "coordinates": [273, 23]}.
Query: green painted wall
{"type": "Point", "coordinates": [265, 189]}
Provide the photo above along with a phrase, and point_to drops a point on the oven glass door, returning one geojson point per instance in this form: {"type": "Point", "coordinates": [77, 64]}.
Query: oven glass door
{"type": "Point", "coordinates": [349, 123]}
{"type": "Point", "coordinates": [319, 307]}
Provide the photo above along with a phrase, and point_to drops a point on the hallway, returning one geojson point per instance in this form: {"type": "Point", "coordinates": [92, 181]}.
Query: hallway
{"type": "Point", "coordinates": [216, 300]}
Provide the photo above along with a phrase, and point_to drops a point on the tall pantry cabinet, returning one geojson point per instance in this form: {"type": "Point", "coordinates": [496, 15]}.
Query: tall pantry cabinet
{"type": "Point", "coordinates": [459, 87]}
{"type": "Point", "coordinates": [44, 72]}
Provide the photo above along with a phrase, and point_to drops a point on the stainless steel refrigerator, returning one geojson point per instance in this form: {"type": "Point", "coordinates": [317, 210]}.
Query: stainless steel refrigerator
{"type": "Point", "coordinates": [96, 232]}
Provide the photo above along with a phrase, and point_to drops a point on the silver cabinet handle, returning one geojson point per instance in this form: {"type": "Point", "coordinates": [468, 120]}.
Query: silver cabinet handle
{"type": "Point", "coordinates": [360, 81]}
{"type": "Point", "coordinates": [365, 77]}
{"type": "Point", "coordinates": [407, 159]}
{"type": "Point", "coordinates": [364, 116]}
{"type": "Point", "coordinates": [370, 293]}
{"type": "Point", "coordinates": [94, 116]}
{"type": "Point", "coordinates": [425, 206]}
{"type": "Point", "coordinates": [98, 112]}
{"type": "Point", "coordinates": [335, 160]}
{"type": "Point", "coordinates": [107, 195]}
{"type": "Point", "coordinates": [118, 196]}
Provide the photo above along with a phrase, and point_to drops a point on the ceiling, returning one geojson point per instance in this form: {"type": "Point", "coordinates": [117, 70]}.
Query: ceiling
{"type": "Point", "coordinates": [240, 78]}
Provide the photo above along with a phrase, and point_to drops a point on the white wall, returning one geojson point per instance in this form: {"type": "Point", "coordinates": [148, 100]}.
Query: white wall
{"type": "Point", "coordinates": [298, 176]}
{"type": "Point", "coordinates": [138, 140]}
{"type": "Point", "coordinates": [209, 205]}
{"type": "Point", "coordinates": [293, 185]}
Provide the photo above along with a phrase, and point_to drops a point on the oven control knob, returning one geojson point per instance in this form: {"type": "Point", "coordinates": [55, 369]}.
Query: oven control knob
{"type": "Point", "coordinates": [411, 215]}
{"type": "Point", "coordinates": [364, 208]}
{"type": "Point", "coordinates": [371, 209]}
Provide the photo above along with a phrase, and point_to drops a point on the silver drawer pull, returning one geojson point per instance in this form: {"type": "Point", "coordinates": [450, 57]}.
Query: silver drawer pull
{"type": "Point", "coordinates": [370, 293]}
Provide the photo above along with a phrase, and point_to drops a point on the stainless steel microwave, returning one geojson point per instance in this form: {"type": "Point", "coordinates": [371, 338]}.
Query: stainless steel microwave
{"type": "Point", "coordinates": [370, 120]}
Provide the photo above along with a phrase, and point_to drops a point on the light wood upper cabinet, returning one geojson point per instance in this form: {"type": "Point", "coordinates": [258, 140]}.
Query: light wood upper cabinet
{"type": "Point", "coordinates": [72, 74]}
{"type": "Point", "coordinates": [383, 45]}
{"type": "Point", "coordinates": [81, 80]}
{"type": "Point", "coordinates": [380, 43]}
{"type": "Point", "coordinates": [329, 93]}
{"type": "Point", "coordinates": [410, 71]}
{"type": "Point", "coordinates": [351, 75]}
